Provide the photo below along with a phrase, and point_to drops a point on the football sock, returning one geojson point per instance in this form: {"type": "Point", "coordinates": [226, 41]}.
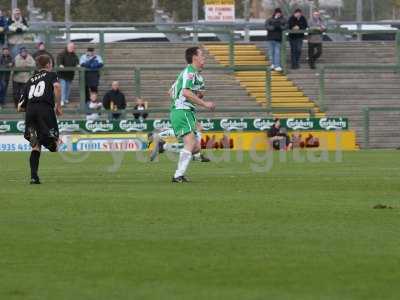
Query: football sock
{"type": "Point", "coordinates": [184, 159]}
{"type": "Point", "coordinates": [34, 162]}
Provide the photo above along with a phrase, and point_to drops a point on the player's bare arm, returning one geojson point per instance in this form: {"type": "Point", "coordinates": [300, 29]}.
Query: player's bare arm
{"type": "Point", "coordinates": [57, 95]}
{"type": "Point", "coordinates": [188, 94]}
{"type": "Point", "coordinates": [21, 107]}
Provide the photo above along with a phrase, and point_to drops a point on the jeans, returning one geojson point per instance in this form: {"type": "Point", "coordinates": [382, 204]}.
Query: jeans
{"type": "Point", "coordinates": [296, 46]}
{"type": "Point", "coordinates": [274, 51]}
{"type": "Point", "coordinates": [314, 52]}
{"type": "Point", "coordinates": [65, 90]}
{"type": "Point", "coordinates": [3, 90]}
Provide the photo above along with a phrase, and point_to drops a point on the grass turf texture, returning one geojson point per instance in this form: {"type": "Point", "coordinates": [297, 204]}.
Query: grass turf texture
{"type": "Point", "coordinates": [301, 231]}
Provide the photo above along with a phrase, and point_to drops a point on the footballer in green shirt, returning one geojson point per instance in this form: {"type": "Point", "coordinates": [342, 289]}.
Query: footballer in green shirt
{"type": "Point", "coordinates": [186, 93]}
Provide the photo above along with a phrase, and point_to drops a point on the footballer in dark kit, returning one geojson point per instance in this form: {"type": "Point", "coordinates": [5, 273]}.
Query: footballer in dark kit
{"type": "Point", "coordinates": [41, 101]}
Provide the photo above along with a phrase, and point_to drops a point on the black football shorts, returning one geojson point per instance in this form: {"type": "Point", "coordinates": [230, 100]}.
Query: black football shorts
{"type": "Point", "coordinates": [41, 126]}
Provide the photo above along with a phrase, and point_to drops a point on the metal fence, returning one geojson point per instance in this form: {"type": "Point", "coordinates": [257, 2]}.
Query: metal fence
{"type": "Point", "coordinates": [136, 78]}
{"type": "Point", "coordinates": [366, 120]}
{"type": "Point", "coordinates": [228, 30]}
{"type": "Point", "coordinates": [192, 35]}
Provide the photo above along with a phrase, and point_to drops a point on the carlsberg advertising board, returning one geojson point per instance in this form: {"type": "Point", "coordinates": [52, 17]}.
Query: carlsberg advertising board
{"type": "Point", "coordinates": [226, 124]}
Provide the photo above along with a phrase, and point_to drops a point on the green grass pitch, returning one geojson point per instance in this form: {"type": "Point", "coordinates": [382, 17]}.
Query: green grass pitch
{"type": "Point", "coordinates": [301, 231]}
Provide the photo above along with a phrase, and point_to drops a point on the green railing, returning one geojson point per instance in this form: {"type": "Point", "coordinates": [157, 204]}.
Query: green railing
{"type": "Point", "coordinates": [137, 70]}
{"type": "Point", "coordinates": [49, 33]}
{"type": "Point", "coordinates": [366, 119]}
{"type": "Point", "coordinates": [53, 32]}
{"type": "Point", "coordinates": [137, 79]}
{"type": "Point", "coordinates": [322, 100]}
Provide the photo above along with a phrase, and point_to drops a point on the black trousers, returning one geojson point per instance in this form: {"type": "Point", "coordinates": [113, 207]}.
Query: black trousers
{"type": "Point", "coordinates": [314, 52]}
{"type": "Point", "coordinates": [296, 46]}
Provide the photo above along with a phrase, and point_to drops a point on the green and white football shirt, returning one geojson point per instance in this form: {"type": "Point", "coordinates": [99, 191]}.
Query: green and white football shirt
{"type": "Point", "coordinates": [191, 79]}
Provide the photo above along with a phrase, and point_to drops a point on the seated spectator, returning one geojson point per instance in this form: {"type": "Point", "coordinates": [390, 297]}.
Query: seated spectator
{"type": "Point", "coordinates": [22, 60]}
{"type": "Point", "coordinates": [140, 105]}
{"type": "Point", "coordinates": [114, 100]}
{"type": "Point", "coordinates": [6, 62]}
{"type": "Point", "coordinates": [3, 28]}
{"type": "Point", "coordinates": [93, 63]}
{"type": "Point", "coordinates": [17, 26]}
{"type": "Point", "coordinates": [278, 137]}
{"type": "Point", "coordinates": [67, 58]}
{"type": "Point", "coordinates": [94, 108]}
{"type": "Point", "coordinates": [42, 51]}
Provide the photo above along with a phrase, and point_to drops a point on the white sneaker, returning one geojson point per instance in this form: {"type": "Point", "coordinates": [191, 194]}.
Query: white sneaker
{"type": "Point", "coordinates": [278, 69]}
{"type": "Point", "coordinates": [272, 67]}
{"type": "Point", "coordinates": [62, 104]}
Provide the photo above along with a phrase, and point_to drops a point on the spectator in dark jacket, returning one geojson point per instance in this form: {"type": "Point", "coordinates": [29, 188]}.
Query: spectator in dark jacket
{"type": "Point", "coordinates": [297, 22]}
{"type": "Point", "coordinates": [67, 58]}
{"type": "Point", "coordinates": [3, 28]}
{"type": "Point", "coordinates": [6, 61]}
{"type": "Point", "coordinates": [93, 63]}
{"type": "Point", "coordinates": [41, 50]}
{"type": "Point", "coordinates": [140, 105]}
{"type": "Point", "coordinates": [17, 26]}
{"type": "Point", "coordinates": [114, 100]}
{"type": "Point", "coordinates": [275, 27]}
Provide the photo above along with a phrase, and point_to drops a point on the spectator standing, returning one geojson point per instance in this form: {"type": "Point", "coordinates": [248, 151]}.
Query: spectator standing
{"type": "Point", "coordinates": [114, 100]}
{"type": "Point", "coordinates": [22, 60]}
{"type": "Point", "coordinates": [6, 62]}
{"type": "Point", "coordinates": [317, 27]}
{"type": "Point", "coordinates": [140, 105]}
{"type": "Point", "coordinates": [3, 28]}
{"type": "Point", "coordinates": [67, 58]}
{"type": "Point", "coordinates": [297, 22]}
{"type": "Point", "coordinates": [17, 26]}
{"type": "Point", "coordinates": [41, 50]}
{"type": "Point", "coordinates": [275, 27]}
{"type": "Point", "coordinates": [93, 63]}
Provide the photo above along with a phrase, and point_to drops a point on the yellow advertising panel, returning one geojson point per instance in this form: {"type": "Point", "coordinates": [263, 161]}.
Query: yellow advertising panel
{"type": "Point", "coordinates": [328, 140]}
{"type": "Point", "coordinates": [247, 141]}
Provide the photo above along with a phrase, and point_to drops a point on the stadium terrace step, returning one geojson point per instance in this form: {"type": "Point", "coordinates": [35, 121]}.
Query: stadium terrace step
{"type": "Point", "coordinates": [279, 94]}
{"type": "Point", "coordinates": [283, 91]}
{"type": "Point", "coordinates": [245, 63]}
{"type": "Point", "coordinates": [350, 53]}
{"type": "Point", "coordinates": [274, 88]}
